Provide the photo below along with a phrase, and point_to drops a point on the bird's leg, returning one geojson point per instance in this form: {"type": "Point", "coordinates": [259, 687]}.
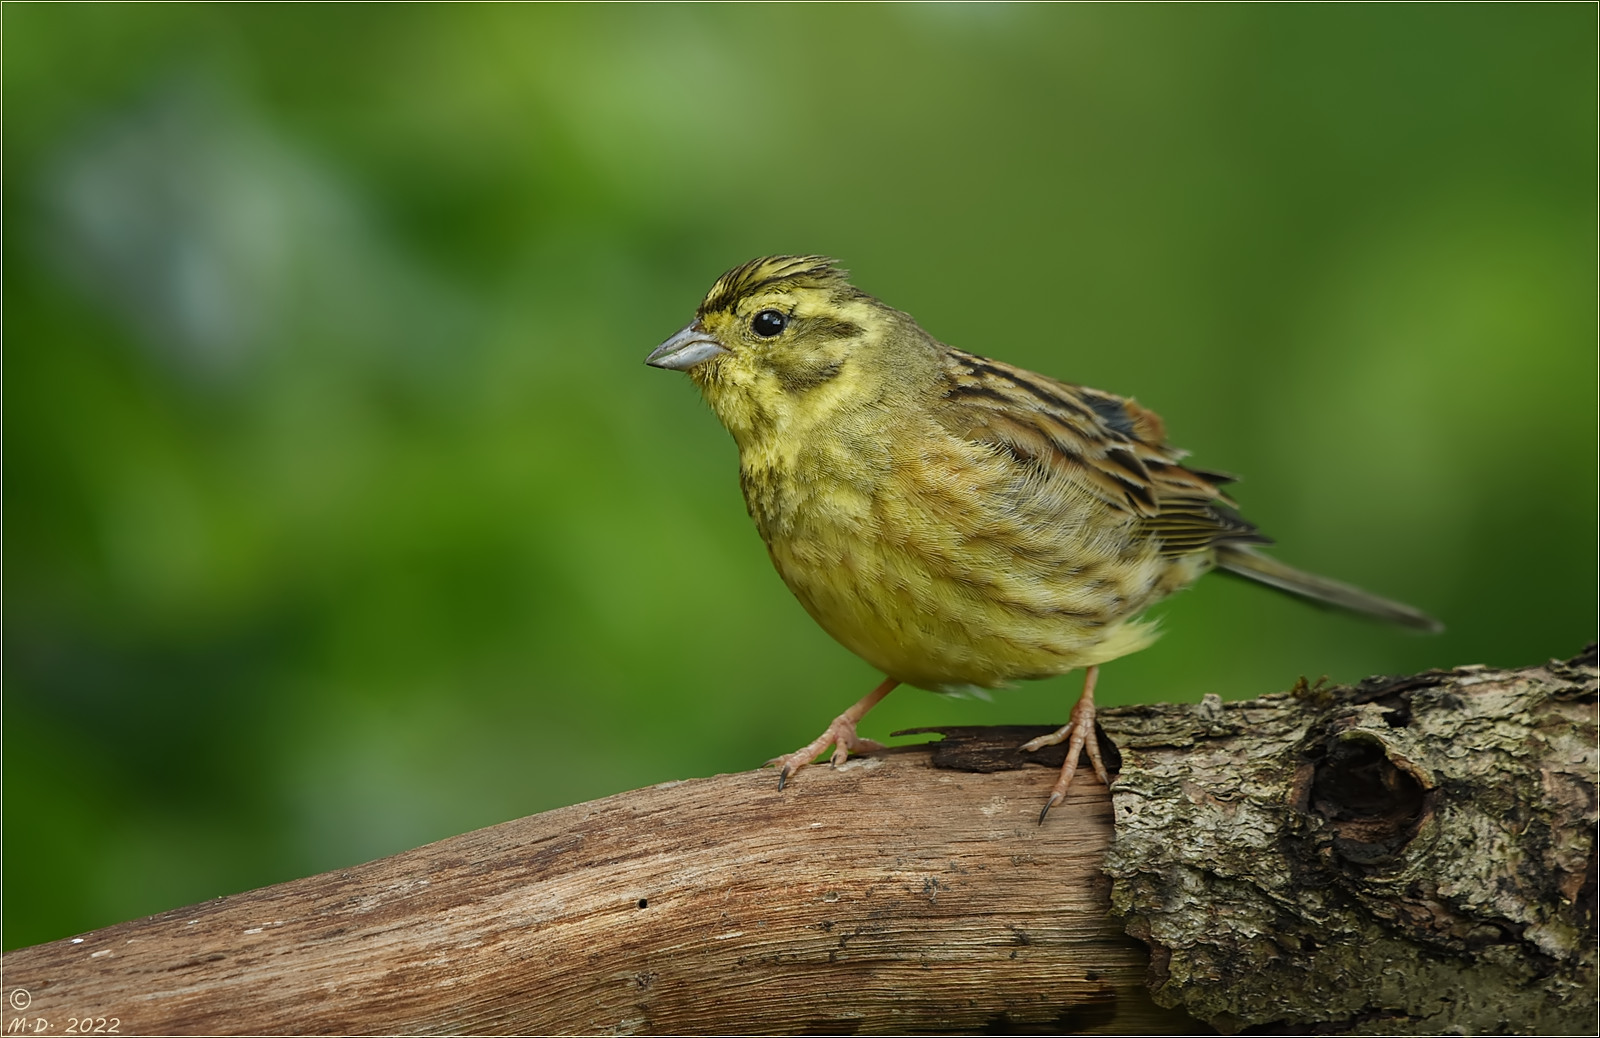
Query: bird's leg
{"type": "Point", "coordinates": [841, 735]}
{"type": "Point", "coordinates": [1080, 730]}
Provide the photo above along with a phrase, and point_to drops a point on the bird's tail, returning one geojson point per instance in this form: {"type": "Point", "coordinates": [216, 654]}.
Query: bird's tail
{"type": "Point", "coordinates": [1247, 562]}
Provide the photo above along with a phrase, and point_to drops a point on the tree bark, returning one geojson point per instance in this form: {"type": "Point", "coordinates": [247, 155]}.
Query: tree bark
{"type": "Point", "coordinates": [1410, 855]}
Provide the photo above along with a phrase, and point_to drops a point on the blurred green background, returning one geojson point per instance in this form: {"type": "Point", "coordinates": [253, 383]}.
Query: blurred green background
{"type": "Point", "coordinates": [342, 514]}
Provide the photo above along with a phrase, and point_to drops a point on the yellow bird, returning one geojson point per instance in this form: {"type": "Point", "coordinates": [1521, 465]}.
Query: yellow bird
{"type": "Point", "coordinates": [956, 522]}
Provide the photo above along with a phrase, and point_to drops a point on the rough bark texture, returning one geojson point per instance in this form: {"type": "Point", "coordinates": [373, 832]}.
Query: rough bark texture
{"type": "Point", "coordinates": [1411, 855]}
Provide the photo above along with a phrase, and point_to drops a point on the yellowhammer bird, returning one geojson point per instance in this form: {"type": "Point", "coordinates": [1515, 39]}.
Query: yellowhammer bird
{"type": "Point", "coordinates": [956, 522]}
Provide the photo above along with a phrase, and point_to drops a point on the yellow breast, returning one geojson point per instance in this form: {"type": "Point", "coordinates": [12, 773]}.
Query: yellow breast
{"type": "Point", "coordinates": [946, 565]}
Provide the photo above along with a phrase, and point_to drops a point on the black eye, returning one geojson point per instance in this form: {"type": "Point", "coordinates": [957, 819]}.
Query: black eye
{"type": "Point", "coordinates": [769, 323]}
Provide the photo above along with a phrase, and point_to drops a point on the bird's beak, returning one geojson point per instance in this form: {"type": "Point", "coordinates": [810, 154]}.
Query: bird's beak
{"type": "Point", "coordinates": [686, 349]}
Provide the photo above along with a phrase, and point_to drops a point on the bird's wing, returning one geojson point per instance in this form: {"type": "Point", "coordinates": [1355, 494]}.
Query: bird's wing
{"type": "Point", "coordinates": [1105, 443]}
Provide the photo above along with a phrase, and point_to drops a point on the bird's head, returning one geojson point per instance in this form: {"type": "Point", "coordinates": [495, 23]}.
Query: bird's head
{"type": "Point", "coordinates": [782, 339]}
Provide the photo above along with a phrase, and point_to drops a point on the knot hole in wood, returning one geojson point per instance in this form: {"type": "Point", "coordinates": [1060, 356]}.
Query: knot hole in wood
{"type": "Point", "coordinates": [1372, 799]}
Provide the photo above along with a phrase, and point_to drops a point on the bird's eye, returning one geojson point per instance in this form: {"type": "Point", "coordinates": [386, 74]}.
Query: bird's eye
{"type": "Point", "coordinates": [769, 323]}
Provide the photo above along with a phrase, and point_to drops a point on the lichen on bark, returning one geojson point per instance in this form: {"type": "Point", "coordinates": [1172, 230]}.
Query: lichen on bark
{"type": "Point", "coordinates": [1407, 855]}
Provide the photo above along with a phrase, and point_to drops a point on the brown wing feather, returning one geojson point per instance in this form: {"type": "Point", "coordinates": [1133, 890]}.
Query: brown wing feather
{"type": "Point", "coordinates": [1107, 443]}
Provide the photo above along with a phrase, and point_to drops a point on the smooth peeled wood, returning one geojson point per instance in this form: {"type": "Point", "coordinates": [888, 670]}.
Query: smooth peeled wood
{"type": "Point", "coordinates": [881, 896]}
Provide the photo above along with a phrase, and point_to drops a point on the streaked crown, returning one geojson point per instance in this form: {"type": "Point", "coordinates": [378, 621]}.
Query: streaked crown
{"type": "Point", "coordinates": [772, 272]}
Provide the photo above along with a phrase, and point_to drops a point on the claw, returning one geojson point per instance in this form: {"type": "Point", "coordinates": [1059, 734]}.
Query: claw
{"type": "Point", "coordinates": [1079, 735]}
{"type": "Point", "coordinates": [840, 734]}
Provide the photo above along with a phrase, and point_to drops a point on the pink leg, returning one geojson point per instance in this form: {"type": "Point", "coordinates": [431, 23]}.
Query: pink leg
{"type": "Point", "coordinates": [841, 735]}
{"type": "Point", "coordinates": [1080, 731]}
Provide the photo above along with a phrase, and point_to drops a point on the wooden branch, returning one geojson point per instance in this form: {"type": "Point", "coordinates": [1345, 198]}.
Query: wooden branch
{"type": "Point", "coordinates": [881, 896]}
{"type": "Point", "coordinates": [1411, 855]}
{"type": "Point", "coordinates": [1406, 855]}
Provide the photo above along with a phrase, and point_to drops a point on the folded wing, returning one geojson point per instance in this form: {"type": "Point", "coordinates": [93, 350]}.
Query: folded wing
{"type": "Point", "coordinates": [1105, 443]}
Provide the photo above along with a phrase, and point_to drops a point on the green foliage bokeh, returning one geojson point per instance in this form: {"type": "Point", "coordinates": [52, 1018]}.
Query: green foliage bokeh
{"type": "Point", "coordinates": [342, 515]}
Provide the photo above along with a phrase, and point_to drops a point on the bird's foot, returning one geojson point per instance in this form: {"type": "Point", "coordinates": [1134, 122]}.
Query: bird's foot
{"type": "Point", "coordinates": [1078, 733]}
{"type": "Point", "coordinates": [841, 735]}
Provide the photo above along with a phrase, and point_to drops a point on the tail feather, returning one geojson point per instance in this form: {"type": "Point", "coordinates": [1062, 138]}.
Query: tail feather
{"type": "Point", "coordinates": [1247, 562]}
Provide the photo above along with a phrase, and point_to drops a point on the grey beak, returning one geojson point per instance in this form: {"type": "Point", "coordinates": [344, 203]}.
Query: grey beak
{"type": "Point", "coordinates": [684, 350]}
